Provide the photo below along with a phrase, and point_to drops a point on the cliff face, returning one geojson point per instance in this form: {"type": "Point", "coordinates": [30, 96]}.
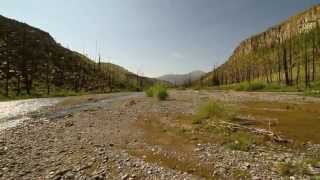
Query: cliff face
{"type": "Point", "coordinates": [281, 50]}
{"type": "Point", "coordinates": [295, 25]}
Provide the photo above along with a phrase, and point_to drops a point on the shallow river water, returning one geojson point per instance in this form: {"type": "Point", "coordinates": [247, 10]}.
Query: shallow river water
{"type": "Point", "coordinates": [15, 112]}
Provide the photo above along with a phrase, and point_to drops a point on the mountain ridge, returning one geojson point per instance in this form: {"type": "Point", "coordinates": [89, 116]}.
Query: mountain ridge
{"type": "Point", "coordinates": [182, 79]}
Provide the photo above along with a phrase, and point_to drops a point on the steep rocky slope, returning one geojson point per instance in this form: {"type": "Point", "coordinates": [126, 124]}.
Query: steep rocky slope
{"type": "Point", "coordinates": [277, 54]}
{"type": "Point", "coordinates": [32, 62]}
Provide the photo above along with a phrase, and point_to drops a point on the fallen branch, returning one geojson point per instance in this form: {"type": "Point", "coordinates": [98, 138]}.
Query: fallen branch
{"type": "Point", "coordinates": [259, 131]}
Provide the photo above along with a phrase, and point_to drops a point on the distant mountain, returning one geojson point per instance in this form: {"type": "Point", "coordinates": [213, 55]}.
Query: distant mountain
{"type": "Point", "coordinates": [180, 79]}
{"type": "Point", "coordinates": [33, 63]}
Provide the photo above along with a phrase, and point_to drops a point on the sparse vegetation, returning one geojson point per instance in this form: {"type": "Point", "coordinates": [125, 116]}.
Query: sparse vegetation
{"type": "Point", "coordinates": [214, 110]}
{"type": "Point", "coordinates": [241, 141]}
{"type": "Point", "coordinates": [210, 109]}
{"type": "Point", "coordinates": [149, 92]}
{"type": "Point", "coordinates": [287, 169]}
{"type": "Point", "coordinates": [290, 168]}
{"type": "Point", "coordinates": [253, 86]}
{"type": "Point", "coordinates": [158, 91]}
{"type": "Point", "coordinates": [241, 174]}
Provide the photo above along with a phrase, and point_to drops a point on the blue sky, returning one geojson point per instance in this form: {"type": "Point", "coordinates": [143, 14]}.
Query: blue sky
{"type": "Point", "coordinates": [154, 37]}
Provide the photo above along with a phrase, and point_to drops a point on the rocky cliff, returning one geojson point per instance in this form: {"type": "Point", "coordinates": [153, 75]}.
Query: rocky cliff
{"type": "Point", "coordinates": [295, 25]}
{"type": "Point", "coordinates": [282, 49]}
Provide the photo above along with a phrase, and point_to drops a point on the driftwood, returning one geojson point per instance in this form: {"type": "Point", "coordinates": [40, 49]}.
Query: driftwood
{"type": "Point", "coordinates": [250, 120]}
{"type": "Point", "coordinates": [258, 131]}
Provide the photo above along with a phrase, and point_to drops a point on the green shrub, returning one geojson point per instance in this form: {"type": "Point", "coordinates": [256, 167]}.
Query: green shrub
{"type": "Point", "coordinates": [162, 93]}
{"type": "Point", "coordinates": [149, 92]}
{"type": "Point", "coordinates": [315, 85]}
{"type": "Point", "coordinates": [253, 86]}
{"type": "Point", "coordinates": [159, 91]}
{"type": "Point", "coordinates": [312, 92]}
{"type": "Point", "coordinates": [244, 86]}
{"type": "Point", "coordinates": [274, 86]}
{"type": "Point", "coordinates": [257, 85]}
{"type": "Point", "coordinates": [212, 109]}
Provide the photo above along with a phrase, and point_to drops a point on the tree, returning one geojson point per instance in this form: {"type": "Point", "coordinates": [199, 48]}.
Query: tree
{"type": "Point", "coordinates": [285, 65]}
{"type": "Point", "coordinates": [48, 73]}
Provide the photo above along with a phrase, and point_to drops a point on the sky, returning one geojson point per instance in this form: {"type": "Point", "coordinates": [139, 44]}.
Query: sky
{"type": "Point", "coordinates": [154, 37]}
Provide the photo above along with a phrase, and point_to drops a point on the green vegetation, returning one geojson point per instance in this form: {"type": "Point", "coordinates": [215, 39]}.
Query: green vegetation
{"type": "Point", "coordinates": [159, 91]}
{"type": "Point", "coordinates": [211, 110]}
{"type": "Point", "coordinates": [149, 92]}
{"type": "Point", "coordinates": [314, 90]}
{"type": "Point", "coordinates": [209, 117]}
{"type": "Point", "coordinates": [214, 110]}
{"type": "Point", "coordinates": [266, 87]}
{"type": "Point", "coordinates": [254, 86]}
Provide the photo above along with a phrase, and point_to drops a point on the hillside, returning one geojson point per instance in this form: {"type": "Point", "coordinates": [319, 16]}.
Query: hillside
{"type": "Point", "coordinates": [32, 63]}
{"type": "Point", "coordinates": [287, 53]}
{"type": "Point", "coordinates": [181, 79]}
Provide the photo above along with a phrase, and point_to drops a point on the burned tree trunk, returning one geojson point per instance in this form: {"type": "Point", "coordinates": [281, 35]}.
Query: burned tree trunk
{"type": "Point", "coordinates": [285, 65]}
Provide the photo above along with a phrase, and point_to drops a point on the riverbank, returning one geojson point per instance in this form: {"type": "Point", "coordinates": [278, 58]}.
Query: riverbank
{"type": "Point", "coordinates": [130, 136]}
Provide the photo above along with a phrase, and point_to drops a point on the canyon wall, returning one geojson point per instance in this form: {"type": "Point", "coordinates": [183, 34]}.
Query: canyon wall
{"type": "Point", "coordinates": [300, 23]}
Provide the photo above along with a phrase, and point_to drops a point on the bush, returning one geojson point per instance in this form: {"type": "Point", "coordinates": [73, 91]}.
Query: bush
{"type": "Point", "coordinates": [212, 109]}
{"type": "Point", "coordinates": [244, 86]}
{"type": "Point", "coordinates": [149, 92]}
{"type": "Point", "coordinates": [314, 90]}
{"type": "Point", "coordinates": [253, 86]}
{"type": "Point", "coordinates": [161, 94]}
{"type": "Point", "coordinates": [159, 91]}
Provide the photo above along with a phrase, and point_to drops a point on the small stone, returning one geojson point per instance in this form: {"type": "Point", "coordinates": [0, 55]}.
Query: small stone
{"type": "Point", "coordinates": [292, 178]}
{"type": "Point", "coordinates": [68, 116]}
{"type": "Point", "coordinates": [255, 178]}
{"type": "Point", "coordinates": [313, 171]}
{"type": "Point", "coordinates": [68, 124]}
{"type": "Point", "coordinates": [317, 165]}
{"type": "Point", "coordinates": [247, 165]}
{"type": "Point", "coordinates": [124, 177]}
